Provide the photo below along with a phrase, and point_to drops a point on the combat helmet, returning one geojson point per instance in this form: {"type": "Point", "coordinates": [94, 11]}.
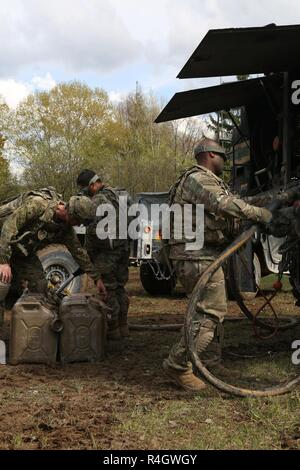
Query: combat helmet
{"type": "Point", "coordinates": [81, 208]}
{"type": "Point", "coordinates": [209, 145]}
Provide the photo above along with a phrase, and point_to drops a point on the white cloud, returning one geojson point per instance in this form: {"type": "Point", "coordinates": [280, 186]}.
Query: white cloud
{"type": "Point", "coordinates": [14, 91]}
{"type": "Point", "coordinates": [116, 96]}
{"type": "Point", "coordinates": [188, 21]}
{"type": "Point", "coordinates": [170, 30]}
{"type": "Point", "coordinates": [76, 37]}
{"type": "Point", "coordinates": [44, 83]}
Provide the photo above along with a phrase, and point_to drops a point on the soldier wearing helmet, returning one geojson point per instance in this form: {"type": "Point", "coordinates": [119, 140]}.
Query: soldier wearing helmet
{"type": "Point", "coordinates": [33, 221]}
{"type": "Point", "coordinates": [201, 184]}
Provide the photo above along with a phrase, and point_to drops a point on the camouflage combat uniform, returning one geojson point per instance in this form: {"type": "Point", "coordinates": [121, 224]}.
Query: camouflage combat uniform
{"type": "Point", "coordinates": [198, 185]}
{"type": "Point", "coordinates": [29, 228]}
{"type": "Point", "coordinates": [111, 258]}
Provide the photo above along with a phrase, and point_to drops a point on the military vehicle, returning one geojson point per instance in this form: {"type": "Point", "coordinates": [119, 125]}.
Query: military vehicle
{"type": "Point", "coordinates": [155, 276]}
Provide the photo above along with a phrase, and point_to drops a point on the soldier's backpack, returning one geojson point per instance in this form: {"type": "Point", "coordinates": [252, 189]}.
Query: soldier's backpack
{"type": "Point", "coordinates": [112, 196]}
{"type": "Point", "coordinates": [180, 182]}
{"type": "Point", "coordinates": [8, 206]}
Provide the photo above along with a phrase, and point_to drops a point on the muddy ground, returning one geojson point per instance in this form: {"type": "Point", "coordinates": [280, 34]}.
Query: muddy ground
{"type": "Point", "coordinates": [126, 402]}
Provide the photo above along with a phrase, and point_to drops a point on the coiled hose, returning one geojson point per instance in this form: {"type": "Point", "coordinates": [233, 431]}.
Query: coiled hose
{"type": "Point", "coordinates": [188, 330]}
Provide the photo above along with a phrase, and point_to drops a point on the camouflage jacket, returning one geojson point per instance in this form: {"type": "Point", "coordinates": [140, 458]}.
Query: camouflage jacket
{"type": "Point", "coordinates": [93, 244]}
{"type": "Point", "coordinates": [198, 185]}
{"type": "Point", "coordinates": [31, 227]}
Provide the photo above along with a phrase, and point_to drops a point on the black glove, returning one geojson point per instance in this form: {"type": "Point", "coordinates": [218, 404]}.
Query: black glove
{"type": "Point", "coordinates": [282, 222]}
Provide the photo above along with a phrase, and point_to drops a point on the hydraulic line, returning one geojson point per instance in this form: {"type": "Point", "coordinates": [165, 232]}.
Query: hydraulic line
{"type": "Point", "coordinates": [188, 330]}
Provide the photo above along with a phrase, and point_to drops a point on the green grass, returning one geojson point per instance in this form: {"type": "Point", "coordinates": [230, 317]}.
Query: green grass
{"type": "Point", "coordinates": [268, 281]}
{"type": "Point", "coordinates": [212, 420]}
{"type": "Point", "coordinates": [206, 422]}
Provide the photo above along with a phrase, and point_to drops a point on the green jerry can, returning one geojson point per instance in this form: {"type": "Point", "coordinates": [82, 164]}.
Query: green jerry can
{"type": "Point", "coordinates": [32, 336]}
{"type": "Point", "coordinates": [83, 337]}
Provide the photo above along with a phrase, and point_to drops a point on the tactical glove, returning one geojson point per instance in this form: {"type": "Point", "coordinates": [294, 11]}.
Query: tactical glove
{"type": "Point", "coordinates": [282, 222]}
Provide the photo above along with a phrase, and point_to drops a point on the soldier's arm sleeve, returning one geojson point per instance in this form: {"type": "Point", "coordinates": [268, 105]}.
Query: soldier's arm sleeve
{"type": "Point", "coordinates": [17, 221]}
{"type": "Point", "coordinates": [79, 254]}
{"type": "Point", "coordinates": [259, 199]}
{"type": "Point", "coordinates": [288, 195]}
{"type": "Point", "coordinates": [100, 200]}
{"type": "Point", "coordinates": [220, 203]}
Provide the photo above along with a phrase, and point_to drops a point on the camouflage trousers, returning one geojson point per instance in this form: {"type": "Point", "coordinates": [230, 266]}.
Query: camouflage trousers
{"type": "Point", "coordinates": [27, 272]}
{"type": "Point", "coordinates": [213, 305]}
{"type": "Point", "coordinates": [113, 267]}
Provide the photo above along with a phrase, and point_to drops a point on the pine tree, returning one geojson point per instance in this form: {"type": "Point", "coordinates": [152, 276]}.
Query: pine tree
{"type": "Point", "coordinates": [221, 123]}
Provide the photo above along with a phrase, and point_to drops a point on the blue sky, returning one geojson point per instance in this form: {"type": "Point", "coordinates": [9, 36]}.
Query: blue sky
{"type": "Point", "coordinates": [114, 43]}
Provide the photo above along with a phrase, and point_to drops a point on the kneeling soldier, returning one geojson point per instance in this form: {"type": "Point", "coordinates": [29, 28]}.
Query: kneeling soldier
{"type": "Point", "coordinates": [29, 223]}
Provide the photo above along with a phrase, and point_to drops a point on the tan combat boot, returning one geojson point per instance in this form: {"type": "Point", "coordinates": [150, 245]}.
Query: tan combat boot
{"type": "Point", "coordinates": [185, 379]}
{"type": "Point", "coordinates": [114, 332]}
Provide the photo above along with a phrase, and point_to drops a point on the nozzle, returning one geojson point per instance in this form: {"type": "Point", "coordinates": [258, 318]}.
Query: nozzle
{"type": "Point", "coordinates": [57, 325]}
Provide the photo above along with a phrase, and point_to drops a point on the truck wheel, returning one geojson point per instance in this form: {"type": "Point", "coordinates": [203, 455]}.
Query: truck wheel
{"type": "Point", "coordinates": [58, 265]}
{"type": "Point", "coordinates": [152, 285]}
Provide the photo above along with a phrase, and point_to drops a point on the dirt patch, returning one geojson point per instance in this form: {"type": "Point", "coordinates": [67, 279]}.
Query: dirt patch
{"type": "Point", "coordinates": [126, 402]}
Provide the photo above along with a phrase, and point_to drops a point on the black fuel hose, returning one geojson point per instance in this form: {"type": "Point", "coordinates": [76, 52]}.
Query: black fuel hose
{"type": "Point", "coordinates": [188, 330]}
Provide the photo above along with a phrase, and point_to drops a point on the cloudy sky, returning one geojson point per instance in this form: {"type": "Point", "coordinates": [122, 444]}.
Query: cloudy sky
{"type": "Point", "coordinates": [114, 43]}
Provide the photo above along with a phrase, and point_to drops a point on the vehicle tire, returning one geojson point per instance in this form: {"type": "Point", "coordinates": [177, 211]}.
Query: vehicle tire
{"type": "Point", "coordinates": [152, 285]}
{"type": "Point", "coordinates": [57, 261]}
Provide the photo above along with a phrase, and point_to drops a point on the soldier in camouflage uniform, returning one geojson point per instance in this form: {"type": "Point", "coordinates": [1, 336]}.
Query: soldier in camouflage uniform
{"type": "Point", "coordinates": [111, 257]}
{"type": "Point", "coordinates": [201, 184]}
{"type": "Point", "coordinates": [29, 223]}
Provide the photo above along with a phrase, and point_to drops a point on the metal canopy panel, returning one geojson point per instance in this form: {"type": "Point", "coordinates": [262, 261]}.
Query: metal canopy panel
{"type": "Point", "coordinates": [244, 51]}
{"type": "Point", "coordinates": [216, 98]}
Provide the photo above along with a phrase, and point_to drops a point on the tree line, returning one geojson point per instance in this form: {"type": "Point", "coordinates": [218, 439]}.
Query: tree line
{"type": "Point", "coordinates": [52, 135]}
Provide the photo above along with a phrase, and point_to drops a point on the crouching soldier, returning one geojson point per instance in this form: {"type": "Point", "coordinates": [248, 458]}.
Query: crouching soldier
{"type": "Point", "coordinates": [29, 223]}
{"type": "Point", "coordinates": [110, 256]}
